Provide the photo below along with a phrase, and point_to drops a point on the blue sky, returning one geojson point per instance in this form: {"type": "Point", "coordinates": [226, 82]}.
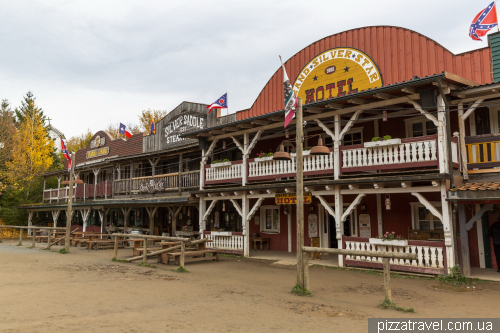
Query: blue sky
{"type": "Point", "coordinates": [90, 63]}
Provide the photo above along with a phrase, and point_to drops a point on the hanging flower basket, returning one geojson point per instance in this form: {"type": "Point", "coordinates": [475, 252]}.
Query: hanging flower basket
{"type": "Point", "coordinates": [263, 159]}
{"type": "Point", "coordinates": [394, 242]}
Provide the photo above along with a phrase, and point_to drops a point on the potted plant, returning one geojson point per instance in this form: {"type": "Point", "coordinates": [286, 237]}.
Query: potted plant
{"type": "Point", "coordinates": [390, 239]}
{"type": "Point", "coordinates": [262, 157]}
{"type": "Point", "coordinates": [221, 163]}
{"type": "Point", "coordinates": [386, 140]}
{"type": "Point", "coordinates": [306, 151]}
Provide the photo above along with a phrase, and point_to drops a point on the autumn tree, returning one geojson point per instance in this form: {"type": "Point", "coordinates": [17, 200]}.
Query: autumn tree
{"type": "Point", "coordinates": [75, 143]}
{"type": "Point", "coordinates": [7, 131]}
{"type": "Point", "coordinates": [147, 115]}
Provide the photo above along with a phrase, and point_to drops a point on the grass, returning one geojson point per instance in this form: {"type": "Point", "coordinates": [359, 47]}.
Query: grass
{"type": "Point", "coordinates": [456, 278]}
{"type": "Point", "coordinates": [118, 260]}
{"type": "Point", "coordinates": [230, 256]}
{"type": "Point", "coordinates": [1, 241]}
{"type": "Point", "coordinates": [18, 245]}
{"type": "Point", "coordinates": [299, 291]}
{"type": "Point", "coordinates": [181, 270]}
{"type": "Point", "coordinates": [143, 264]}
{"type": "Point", "coordinates": [386, 304]}
{"type": "Point", "coordinates": [63, 251]}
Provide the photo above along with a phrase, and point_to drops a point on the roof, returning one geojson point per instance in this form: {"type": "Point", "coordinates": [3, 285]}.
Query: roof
{"type": "Point", "coordinates": [55, 130]}
{"type": "Point", "coordinates": [476, 192]}
{"type": "Point", "coordinates": [478, 187]}
{"type": "Point", "coordinates": [415, 81]}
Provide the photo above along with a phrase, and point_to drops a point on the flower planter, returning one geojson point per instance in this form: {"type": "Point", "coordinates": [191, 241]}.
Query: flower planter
{"type": "Point", "coordinates": [390, 142]}
{"type": "Point", "coordinates": [304, 153]}
{"type": "Point", "coordinates": [264, 159]}
{"type": "Point", "coordinates": [220, 164]}
{"type": "Point", "coordinates": [395, 242]}
{"type": "Point", "coordinates": [221, 233]}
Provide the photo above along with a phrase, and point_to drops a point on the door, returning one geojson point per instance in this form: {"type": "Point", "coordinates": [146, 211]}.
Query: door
{"type": "Point", "coordinates": [482, 118]}
{"type": "Point", "coordinates": [333, 232]}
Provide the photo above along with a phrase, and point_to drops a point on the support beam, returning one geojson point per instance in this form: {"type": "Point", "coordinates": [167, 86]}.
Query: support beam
{"type": "Point", "coordinates": [254, 209]}
{"type": "Point", "coordinates": [464, 241]}
{"type": "Point", "coordinates": [237, 207]}
{"type": "Point", "coordinates": [352, 206]}
{"type": "Point", "coordinates": [378, 185]}
{"type": "Point", "coordinates": [325, 128]}
{"type": "Point", "coordinates": [472, 108]}
{"type": "Point", "coordinates": [384, 96]}
{"type": "Point", "coordinates": [406, 184]}
{"type": "Point", "coordinates": [424, 112]}
{"type": "Point", "coordinates": [356, 101]}
{"type": "Point", "coordinates": [353, 186]}
{"type": "Point", "coordinates": [348, 126]}
{"type": "Point", "coordinates": [428, 205]}
{"type": "Point", "coordinates": [209, 210]}
{"type": "Point", "coordinates": [325, 204]}
{"type": "Point", "coordinates": [55, 217]}
{"type": "Point", "coordinates": [477, 216]}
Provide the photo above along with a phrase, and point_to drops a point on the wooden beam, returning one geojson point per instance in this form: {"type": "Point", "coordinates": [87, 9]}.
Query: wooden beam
{"type": "Point", "coordinates": [209, 210]}
{"type": "Point", "coordinates": [357, 101]}
{"type": "Point", "coordinates": [353, 186]}
{"type": "Point", "coordinates": [335, 106]}
{"type": "Point", "coordinates": [231, 129]}
{"type": "Point", "coordinates": [245, 126]}
{"type": "Point", "coordinates": [472, 108]}
{"type": "Point", "coordinates": [406, 184]}
{"type": "Point", "coordinates": [237, 143]}
{"type": "Point", "coordinates": [424, 112]}
{"type": "Point", "coordinates": [348, 126]}
{"type": "Point", "coordinates": [237, 207]}
{"type": "Point", "coordinates": [478, 215]}
{"type": "Point", "coordinates": [217, 132]}
{"type": "Point", "coordinates": [409, 90]}
{"type": "Point", "coordinates": [378, 185]}
{"type": "Point", "coordinates": [352, 206]}
{"type": "Point", "coordinates": [259, 122]}
{"type": "Point", "coordinates": [254, 208]}
{"type": "Point", "coordinates": [325, 128]}
{"type": "Point", "coordinates": [428, 205]}
{"type": "Point", "coordinates": [325, 204]}
{"type": "Point", "coordinates": [472, 99]}
{"type": "Point", "coordinates": [464, 240]}
{"type": "Point", "coordinates": [384, 96]}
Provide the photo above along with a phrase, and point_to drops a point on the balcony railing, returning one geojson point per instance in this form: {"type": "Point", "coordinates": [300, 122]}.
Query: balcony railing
{"type": "Point", "coordinates": [483, 151]}
{"type": "Point", "coordinates": [189, 179]}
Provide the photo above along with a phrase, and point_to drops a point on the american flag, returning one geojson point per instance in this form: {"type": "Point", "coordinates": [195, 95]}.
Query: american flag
{"type": "Point", "coordinates": [66, 154]}
{"type": "Point", "coordinates": [484, 22]}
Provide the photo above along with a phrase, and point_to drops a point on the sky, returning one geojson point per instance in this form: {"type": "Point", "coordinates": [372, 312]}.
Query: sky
{"type": "Point", "coordinates": [91, 63]}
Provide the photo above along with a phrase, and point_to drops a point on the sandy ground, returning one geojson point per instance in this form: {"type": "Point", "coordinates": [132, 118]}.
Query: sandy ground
{"type": "Point", "coordinates": [85, 291]}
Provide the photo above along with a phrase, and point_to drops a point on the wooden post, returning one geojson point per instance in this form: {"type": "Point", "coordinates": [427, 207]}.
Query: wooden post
{"type": "Point", "coordinates": [33, 234]}
{"type": "Point", "coordinates": [183, 249]}
{"type": "Point", "coordinates": [115, 254]}
{"type": "Point", "coordinates": [20, 236]}
{"type": "Point", "coordinates": [49, 235]}
{"type": "Point", "coordinates": [464, 240]}
{"type": "Point", "coordinates": [69, 213]}
{"type": "Point", "coordinates": [387, 278]}
{"type": "Point", "coordinates": [180, 174]}
{"type": "Point", "coordinates": [305, 260]}
{"type": "Point", "coordinates": [144, 250]}
{"type": "Point", "coordinates": [300, 195]}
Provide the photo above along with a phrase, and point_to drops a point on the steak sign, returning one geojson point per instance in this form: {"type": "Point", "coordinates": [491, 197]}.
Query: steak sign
{"type": "Point", "coordinates": [152, 185]}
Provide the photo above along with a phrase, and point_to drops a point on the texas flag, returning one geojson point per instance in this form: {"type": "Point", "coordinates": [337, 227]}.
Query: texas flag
{"type": "Point", "coordinates": [123, 130]}
{"type": "Point", "coordinates": [220, 103]}
{"type": "Point", "coordinates": [484, 22]}
{"type": "Point", "coordinates": [66, 154]}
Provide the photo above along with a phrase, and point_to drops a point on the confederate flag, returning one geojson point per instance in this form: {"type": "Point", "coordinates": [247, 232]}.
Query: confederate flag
{"type": "Point", "coordinates": [484, 22]}
{"type": "Point", "coordinates": [66, 154]}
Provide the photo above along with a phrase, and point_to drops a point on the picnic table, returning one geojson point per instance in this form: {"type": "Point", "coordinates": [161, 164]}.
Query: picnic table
{"type": "Point", "coordinates": [137, 247]}
{"type": "Point", "coordinates": [199, 252]}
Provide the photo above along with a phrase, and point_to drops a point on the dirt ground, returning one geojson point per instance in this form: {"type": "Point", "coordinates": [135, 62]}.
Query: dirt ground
{"type": "Point", "coordinates": [84, 291]}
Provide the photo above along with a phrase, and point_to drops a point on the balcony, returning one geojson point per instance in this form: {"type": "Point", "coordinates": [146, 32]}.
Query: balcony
{"type": "Point", "coordinates": [411, 153]}
{"type": "Point", "coordinates": [170, 181]}
{"type": "Point", "coordinates": [482, 152]}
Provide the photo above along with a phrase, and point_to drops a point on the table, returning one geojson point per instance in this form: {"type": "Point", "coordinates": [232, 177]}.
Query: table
{"type": "Point", "coordinates": [261, 240]}
{"type": "Point", "coordinates": [163, 257]}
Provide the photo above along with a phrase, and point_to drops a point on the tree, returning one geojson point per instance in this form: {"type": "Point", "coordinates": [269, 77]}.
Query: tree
{"type": "Point", "coordinates": [75, 143]}
{"type": "Point", "coordinates": [7, 131]}
{"type": "Point", "coordinates": [146, 116]}
{"type": "Point", "coordinates": [33, 150]}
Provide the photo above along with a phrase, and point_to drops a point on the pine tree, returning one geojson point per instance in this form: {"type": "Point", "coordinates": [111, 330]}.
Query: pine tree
{"type": "Point", "coordinates": [7, 131]}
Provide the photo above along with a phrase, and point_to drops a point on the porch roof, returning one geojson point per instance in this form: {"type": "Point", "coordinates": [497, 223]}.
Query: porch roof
{"type": "Point", "coordinates": [485, 191]}
{"type": "Point", "coordinates": [379, 178]}
{"type": "Point", "coordinates": [163, 201]}
{"type": "Point", "coordinates": [395, 89]}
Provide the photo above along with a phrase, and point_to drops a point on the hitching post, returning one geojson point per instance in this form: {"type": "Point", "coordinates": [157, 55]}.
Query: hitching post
{"type": "Point", "coordinates": [20, 236]}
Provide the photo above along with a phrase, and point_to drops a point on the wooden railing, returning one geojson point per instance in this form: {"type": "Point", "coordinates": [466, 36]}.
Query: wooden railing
{"type": "Point", "coordinates": [61, 194]}
{"type": "Point", "coordinates": [483, 151]}
{"type": "Point", "coordinates": [226, 241]}
{"type": "Point", "coordinates": [170, 181]}
{"type": "Point", "coordinates": [190, 179]}
{"type": "Point", "coordinates": [231, 172]}
{"type": "Point", "coordinates": [431, 256]}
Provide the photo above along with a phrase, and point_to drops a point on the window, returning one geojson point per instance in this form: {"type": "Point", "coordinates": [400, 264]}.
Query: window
{"type": "Point", "coordinates": [270, 219]}
{"type": "Point", "coordinates": [354, 138]}
{"type": "Point", "coordinates": [419, 126]}
{"type": "Point", "coordinates": [423, 218]}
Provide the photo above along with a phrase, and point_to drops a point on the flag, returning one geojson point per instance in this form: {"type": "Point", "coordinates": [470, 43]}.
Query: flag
{"type": "Point", "coordinates": [220, 103]}
{"type": "Point", "coordinates": [153, 130]}
{"type": "Point", "coordinates": [123, 130]}
{"type": "Point", "coordinates": [291, 100]}
{"type": "Point", "coordinates": [66, 154]}
{"type": "Point", "coordinates": [484, 22]}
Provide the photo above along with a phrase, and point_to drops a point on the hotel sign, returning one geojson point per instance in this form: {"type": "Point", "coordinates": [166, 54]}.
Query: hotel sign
{"type": "Point", "coordinates": [337, 72]}
{"type": "Point", "coordinates": [291, 198]}
{"type": "Point", "coordinates": [98, 152]}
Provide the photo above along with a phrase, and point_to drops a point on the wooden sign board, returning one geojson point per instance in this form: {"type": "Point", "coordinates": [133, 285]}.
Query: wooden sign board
{"type": "Point", "coordinates": [312, 224]}
{"type": "Point", "coordinates": [98, 152]}
{"type": "Point", "coordinates": [336, 72]}
{"type": "Point", "coordinates": [152, 185]}
{"type": "Point", "coordinates": [365, 226]}
{"type": "Point", "coordinates": [291, 198]}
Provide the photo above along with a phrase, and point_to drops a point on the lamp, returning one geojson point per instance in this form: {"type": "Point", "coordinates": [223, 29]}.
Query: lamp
{"type": "Point", "coordinates": [320, 149]}
{"type": "Point", "coordinates": [311, 208]}
{"type": "Point", "coordinates": [281, 155]}
{"type": "Point", "coordinates": [384, 115]}
{"type": "Point", "coordinates": [223, 206]}
{"type": "Point", "coordinates": [76, 181]}
{"type": "Point", "coordinates": [387, 202]}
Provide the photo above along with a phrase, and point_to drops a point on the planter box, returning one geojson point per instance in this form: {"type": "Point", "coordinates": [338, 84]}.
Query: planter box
{"type": "Point", "coordinates": [378, 241]}
{"type": "Point", "coordinates": [264, 159]}
{"type": "Point", "coordinates": [390, 142]}
{"type": "Point", "coordinates": [304, 153]}
{"type": "Point", "coordinates": [220, 164]}
{"type": "Point", "coordinates": [221, 233]}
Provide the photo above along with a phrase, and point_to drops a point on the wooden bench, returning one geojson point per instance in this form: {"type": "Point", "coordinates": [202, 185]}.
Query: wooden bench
{"type": "Point", "coordinates": [138, 251]}
{"type": "Point", "coordinates": [194, 254]}
{"type": "Point", "coordinates": [106, 244]}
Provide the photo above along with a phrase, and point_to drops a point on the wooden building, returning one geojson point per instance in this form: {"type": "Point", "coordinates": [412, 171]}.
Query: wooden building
{"type": "Point", "coordinates": [426, 105]}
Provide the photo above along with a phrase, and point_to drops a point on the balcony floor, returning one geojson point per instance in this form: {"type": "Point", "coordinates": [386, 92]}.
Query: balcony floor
{"type": "Point", "coordinates": [290, 258]}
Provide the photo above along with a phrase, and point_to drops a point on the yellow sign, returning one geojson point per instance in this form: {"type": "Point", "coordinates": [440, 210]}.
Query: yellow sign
{"type": "Point", "coordinates": [337, 72]}
{"type": "Point", "coordinates": [98, 152]}
{"type": "Point", "coordinates": [291, 198]}
{"type": "Point", "coordinates": [315, 243]}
